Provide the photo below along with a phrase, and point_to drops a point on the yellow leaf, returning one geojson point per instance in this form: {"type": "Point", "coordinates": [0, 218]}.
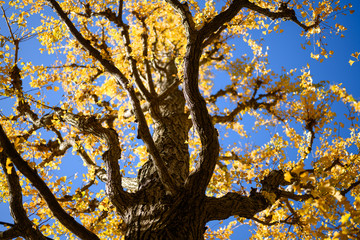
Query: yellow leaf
{"type": "Point", "coordinates": [8, 166]}
{"type": "Point", "coordinates": [56, 88]}
{"type": "Point", "coordinates": [287, 176]}
{"type": "Point", "coordinates": [345, 218]}
{"type": "Point", "coordinates": [351, 62]}
{"type": "Point", "coordinates": [298, 169]}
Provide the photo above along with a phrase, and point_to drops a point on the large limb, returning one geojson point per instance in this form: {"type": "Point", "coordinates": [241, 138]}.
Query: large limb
{"type": "Point", "coordinates": [91, 125]}
{"type": "Point", "coordinates": [227, 15]}
{"type": "Point", "coordinates": [235, 204]}
{"type": "Point", "coordinates": [200, 177]}
{"type": "Point", "coordinates": [11, 233]}
{"type": "Point", "coordinates": [121, 79]}
{"type": "Point", "coordinates": [31, 174]}
{"type": "Point", "coordinates": [22, 223]}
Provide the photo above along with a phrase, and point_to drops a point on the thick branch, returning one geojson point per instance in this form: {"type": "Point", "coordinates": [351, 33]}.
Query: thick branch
{"type": "Point", "coordinates": [64, 218]}
{"type": "Point", "coordinates": [111, 156]}
{"type": "Point", "coordinates": [219, 20]}
{"type": "Point", "coordinates": [184, 12]}
{"type": "Point", "coordinates": [227, 15]}
{"type": "Point", "coordinates": [234, 204]}
{"type": "Point", "coordinates": [10, 233]}
{"type": "Point", "coordinates": [143, 129]}
{"type": "Point", "coordinates": [200, 116]}
{"type": "Point", "coordinates": [199, 179]}
{"type": "Point", "coordinates": [284, 12]}
{"type": "Point", "coordinates": [23, 223]}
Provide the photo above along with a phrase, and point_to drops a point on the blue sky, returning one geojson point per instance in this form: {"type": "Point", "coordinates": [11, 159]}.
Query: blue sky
{"type": "Point", "coordinates": [284, 51]}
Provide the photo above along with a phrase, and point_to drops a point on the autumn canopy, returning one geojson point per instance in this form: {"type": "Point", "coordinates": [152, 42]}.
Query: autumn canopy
{"type": "Point", "coordinates": [143, 119]}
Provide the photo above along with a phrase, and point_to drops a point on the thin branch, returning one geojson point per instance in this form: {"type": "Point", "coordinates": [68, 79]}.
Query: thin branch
{"type": "Point", "coordinates": [7, 224]}
{"type": "Point", "coordinates": [296, 217]}
{"type": "Point", "coordinates": [67, 197]}
{"type": "Point", "coordinates": [111, 16]}
{"type": "Point", "coordinates": [120, 10]}
{"type": "Point", "coordinates": [213, 36]}
{"type": "Point", "coordinates": [102, 216]}
{"type": "Point", "coordinates": [333, 164]}
{"type": "Point", "coordinates": [286, 221]}
{"type": "Point", "coordinates": [221, 93]}
{"type": "Point", "coordinates": [15, 40]}
{"type": "Point", "coordinates": [144, 37]}
{"type": "Point", "coordinates": [353, 185]}
{"type": "Point", "coordinates": [267, 223]}
{"type": "Point", "coordinates": [294, 196]}
{"type": "Point", "coordinates": [233, 157]}
{"type": "Point", "coordinates": [252, 103]}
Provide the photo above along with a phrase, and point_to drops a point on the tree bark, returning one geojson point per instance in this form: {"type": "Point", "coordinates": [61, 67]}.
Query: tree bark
{"type": "Point", "coordinates": [181, 217]}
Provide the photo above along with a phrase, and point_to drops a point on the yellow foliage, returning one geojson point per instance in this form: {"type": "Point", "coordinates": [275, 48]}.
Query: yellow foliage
{"type": "Point", "coordinates": [266, 119]}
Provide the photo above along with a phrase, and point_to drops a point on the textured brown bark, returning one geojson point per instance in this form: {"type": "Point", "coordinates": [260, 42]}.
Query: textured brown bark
{"type": "Point", "coordinates": [181, 217]}
{"type": "Point", "coordinates": [171, 126]}
{"type": "Point", "coordinates": [157, 214]}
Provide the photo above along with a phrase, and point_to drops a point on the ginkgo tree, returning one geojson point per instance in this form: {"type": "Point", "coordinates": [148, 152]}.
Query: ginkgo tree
{"type": "Point", "coordinates": [140, 109]}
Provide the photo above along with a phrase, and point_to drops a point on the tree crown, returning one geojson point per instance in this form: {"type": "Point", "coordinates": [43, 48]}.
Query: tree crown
{"type": "Point", "coordinates": [152, 98]}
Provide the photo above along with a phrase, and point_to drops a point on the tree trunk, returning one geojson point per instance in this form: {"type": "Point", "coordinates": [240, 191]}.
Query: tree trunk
{"type": "Point", "coordinates": [171, 127]}
{"type": "Point", "coordinates": [157, 215]}
{"type": "Point", "coordinates": [170, 218]}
